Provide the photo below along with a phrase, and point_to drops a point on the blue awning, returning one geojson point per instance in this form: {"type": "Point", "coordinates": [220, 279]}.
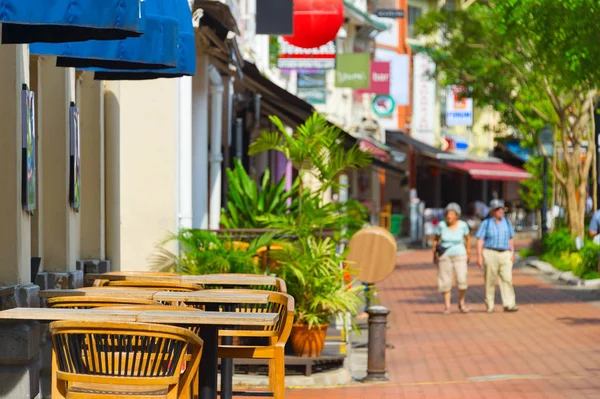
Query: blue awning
{"type": "Point", "coordinates": [156, 48]}
{"type": "Point", "coordinates": [186, 61]}
{"type": "Point", "coordinates": [517, 150]}
{"type": "Point", "coordinates": [59, 21]}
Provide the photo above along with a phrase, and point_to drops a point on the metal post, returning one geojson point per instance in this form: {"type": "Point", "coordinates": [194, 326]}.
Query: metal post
{"type": "Point", "coordinates": [376, 370]}
{"type": "Point", "coordinates": [545, 199]}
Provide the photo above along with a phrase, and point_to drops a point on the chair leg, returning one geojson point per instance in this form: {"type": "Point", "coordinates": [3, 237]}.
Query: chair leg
{"type": "Point", "coordinates": [279, 375]}
{"type": "Point", "coordinates": [271, 375]}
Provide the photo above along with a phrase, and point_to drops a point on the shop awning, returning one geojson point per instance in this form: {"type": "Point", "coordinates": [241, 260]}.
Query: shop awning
{"type": "Point", "coordinates": [156, 48]}
{"type": "Point", "coordinates": [186, 53]}
{"type": "Point", "coordinates": [43, 21]}
{"type": "Point", "coordinates": [491, 171]}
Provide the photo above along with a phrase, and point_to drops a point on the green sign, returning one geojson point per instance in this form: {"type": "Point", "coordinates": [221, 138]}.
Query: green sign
{"type": "Point", "coordinates": [383, 105]}
{"type": "Point", "coordinates": [313, 95]}
{"type": "Point", "coordinates": [353, 70]}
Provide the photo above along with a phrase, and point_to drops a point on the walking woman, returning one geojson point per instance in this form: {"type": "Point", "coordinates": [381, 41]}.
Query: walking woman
{"type": "Point", "coordinates": [451, 254]}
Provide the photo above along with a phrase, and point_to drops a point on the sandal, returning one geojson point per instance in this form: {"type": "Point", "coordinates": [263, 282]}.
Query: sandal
{"type": "Point", "coordinates": [447, 311]}
{"type": "Point", "coordinates": [464, 309]}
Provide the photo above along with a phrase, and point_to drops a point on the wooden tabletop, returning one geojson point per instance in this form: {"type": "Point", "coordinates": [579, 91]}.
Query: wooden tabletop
{"type": "Point", "coordinates": [208, 296]}
{"type": "Point", "coordinates": [225, 279]}
{"type": "Point", "coordinates": [193, 317]}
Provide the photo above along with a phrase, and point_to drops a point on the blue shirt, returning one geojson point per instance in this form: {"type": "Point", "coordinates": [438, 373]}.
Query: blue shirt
{"type": "Point", "coordinates": [496, 235]}
{"type": "Point", "coordinates": [453, 239]}
{"type": "Point", "coordinates": [595, 222]}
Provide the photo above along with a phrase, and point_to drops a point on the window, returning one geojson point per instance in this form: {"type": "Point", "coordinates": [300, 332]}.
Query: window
{"type": "Point", "coordinates": [413, 14]}
{"type": "Point", "coordinates": [449, 5]}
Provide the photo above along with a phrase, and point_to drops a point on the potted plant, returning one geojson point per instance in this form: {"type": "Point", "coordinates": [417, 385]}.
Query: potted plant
{"type": "Point", "coordinates": [204, 252]}
{"type": "Point", "coordinates": [312, 272]}
{"type": "Point", "coordinates": [311, 266]}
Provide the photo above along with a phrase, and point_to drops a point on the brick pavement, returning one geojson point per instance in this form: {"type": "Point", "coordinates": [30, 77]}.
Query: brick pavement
{"type": "Point", "coordinates": [550, 349]}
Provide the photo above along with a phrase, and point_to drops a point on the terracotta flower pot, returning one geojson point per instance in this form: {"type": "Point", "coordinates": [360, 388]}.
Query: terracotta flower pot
{"type": "Point", "coordinates": [308, 343]}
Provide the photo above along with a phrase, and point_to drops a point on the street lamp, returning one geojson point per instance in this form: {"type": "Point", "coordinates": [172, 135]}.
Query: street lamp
{"type": "Point", "coordinates": [547, 141]}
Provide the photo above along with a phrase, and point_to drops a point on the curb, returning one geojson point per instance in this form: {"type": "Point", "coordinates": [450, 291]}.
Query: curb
{"type": "Point", "coordinates": [567, 277]}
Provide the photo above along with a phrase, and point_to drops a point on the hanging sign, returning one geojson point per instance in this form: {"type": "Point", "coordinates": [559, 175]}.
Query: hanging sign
{"type": "Point", "coordinates": [459, 108]}
{"type": "Point", "coordinates": [353, 70]}
{"type": "Point", "coordinates": [384, 105]}
{"type": "Point", "coordinates": [422, 126]}
{"type": "Point", "coordinates": [293, 57]}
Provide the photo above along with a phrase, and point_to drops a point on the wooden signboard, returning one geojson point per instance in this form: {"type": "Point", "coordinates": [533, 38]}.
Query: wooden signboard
{"type": "Point", "coordinates": [373, 254]}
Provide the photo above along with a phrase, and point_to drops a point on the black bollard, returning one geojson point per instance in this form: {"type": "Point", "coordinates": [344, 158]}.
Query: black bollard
{"type": "Point", "coordinates": [376, 370]}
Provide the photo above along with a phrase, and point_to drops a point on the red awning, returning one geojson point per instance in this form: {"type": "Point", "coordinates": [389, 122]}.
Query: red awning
{"type": "Point", "coordinates": [491, 171]}
{"type": "Point", "coordinates": [377, 152]}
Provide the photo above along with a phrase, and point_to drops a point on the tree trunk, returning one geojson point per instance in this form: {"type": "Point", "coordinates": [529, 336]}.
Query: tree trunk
{"type": "Point", "coordinates": [575, 210]}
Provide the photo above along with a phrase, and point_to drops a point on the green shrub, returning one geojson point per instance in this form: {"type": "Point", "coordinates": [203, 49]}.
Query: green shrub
{"type": "Point", "coordinates": [588, 268]}
{"type": "Point", "coordinates": [559, 241]}
{"type": "Point", "coordinates": [565, 262]}
{"type": "Point", "coordinates": [527, 252]}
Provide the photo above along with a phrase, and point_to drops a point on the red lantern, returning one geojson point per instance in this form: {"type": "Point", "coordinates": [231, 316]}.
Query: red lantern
{"type": "Point", "coordinates": [316, 22]}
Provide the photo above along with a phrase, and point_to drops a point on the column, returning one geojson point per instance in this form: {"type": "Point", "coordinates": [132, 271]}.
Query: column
{"type": "Point", "coordinates": [113, 172]}
{"type": "Point", "coordinates": [15, 231]}
{"type": "Point", "coordinates": [61, 224]}
{"type": "Point", "coordinates": [37, 237]}
{"type": "Point", "coordinates": [200, 143]}
{"type": "Point", "coordinates": [93, 214]}
{"type": "Point", "coordinates": [19, 342]}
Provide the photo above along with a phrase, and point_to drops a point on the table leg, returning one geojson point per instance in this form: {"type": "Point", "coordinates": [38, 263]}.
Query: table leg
{"type": "Point", "coordinates": [227, 373]}
{"type": "Point", "coordinates": [209, 362]}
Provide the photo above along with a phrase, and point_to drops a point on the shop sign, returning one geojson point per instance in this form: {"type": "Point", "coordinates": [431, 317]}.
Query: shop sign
{"type": "Point", "coordinates": [459, 107]}
{"type": "Point", "coordinates": [312, 79]}
{"type": "Point", "coordinates": [313, 95]}
{"type": "Point", "coordinates": [383, 105]}
{"type": "Point", "coordinates": [297, 58]}
{"type": "Point", "coordinates": [353, 70]}
{"type": "Point", "coordinates": [422, 126]}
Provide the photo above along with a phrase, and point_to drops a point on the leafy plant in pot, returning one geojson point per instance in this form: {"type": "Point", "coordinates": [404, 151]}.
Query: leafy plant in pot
{"type": "Point", "coordinates": [203, 252]}
{"type": "Point", "coordinates": [312, 272]}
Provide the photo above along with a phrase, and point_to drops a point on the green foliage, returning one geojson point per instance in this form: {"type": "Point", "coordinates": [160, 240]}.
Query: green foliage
{"type": "Point", "coordinates": [310, 265]}
{"type": "Point", "coordinates": [532, 190]}
{"type": "Point", "coordinates": [247, 203]}
{"type": "Point", "coordinates": [312, 272]}
{"type": "Point", "coordinates": [588, 269]}
{"type": "Point", "coordinates": [533, 61]}
{"type": "Point", "coordinates": [527, 252]}
{"type": "Point", "coordinates": [559, 241]}
{"type": "Point", "coordinates": [203, 252]}
{"type": "Point", "coordinates": [316, 147]}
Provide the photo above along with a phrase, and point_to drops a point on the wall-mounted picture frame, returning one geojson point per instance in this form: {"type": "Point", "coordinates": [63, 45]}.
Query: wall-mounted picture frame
{"type": "Point", "coordinates": [28, 161]}
{"type": "Point", "coordinates": [74, 158]}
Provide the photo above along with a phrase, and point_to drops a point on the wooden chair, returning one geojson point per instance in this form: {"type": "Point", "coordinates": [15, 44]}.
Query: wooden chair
{"type": "Point", "coordinates": [104, 360]}
{"type": "Point", "coordinates": [150, 285]}
{"type": "Point", "coordinates": [96, 301]}
{"type": "Point", "coordinates": [279, 286]}
{"type": "Point", "coordinates": [278, 334]}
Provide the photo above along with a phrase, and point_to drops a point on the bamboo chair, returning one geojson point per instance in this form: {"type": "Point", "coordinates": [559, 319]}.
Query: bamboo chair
{"type": "Point", "coordinates": [88, 302]}
{"type": "Point", "coordinates": [104, 360]}
{"type": "Point", "coordinates": [278, 334]}
{"type": "Point", "coordinates": [279, 286]}
{"type": "Point", "coordinates": [150, 285]}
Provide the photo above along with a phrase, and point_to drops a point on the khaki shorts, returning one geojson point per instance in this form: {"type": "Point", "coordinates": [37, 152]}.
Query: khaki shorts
{"type": "Point", "coordinates": [449, 265]}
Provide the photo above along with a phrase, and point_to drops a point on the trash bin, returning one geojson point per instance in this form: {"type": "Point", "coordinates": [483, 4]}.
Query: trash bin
{"type": "Point", "coordinates": [396, 224]}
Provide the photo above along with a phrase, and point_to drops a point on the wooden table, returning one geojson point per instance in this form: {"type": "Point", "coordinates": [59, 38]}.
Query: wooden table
{"type": "Point", "coordinates": [211, 322]}
{"type": "Point", "coordinates": [217, 279]}
{"type": "Point", "coordinates": [205, 296]}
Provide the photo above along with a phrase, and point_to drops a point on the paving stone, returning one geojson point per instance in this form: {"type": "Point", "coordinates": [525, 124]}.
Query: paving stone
{"type": "Point", "coordinates": [546, 350]}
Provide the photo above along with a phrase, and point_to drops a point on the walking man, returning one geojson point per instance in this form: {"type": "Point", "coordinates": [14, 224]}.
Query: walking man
{"type": "Point", "coordinates": [496, 252]}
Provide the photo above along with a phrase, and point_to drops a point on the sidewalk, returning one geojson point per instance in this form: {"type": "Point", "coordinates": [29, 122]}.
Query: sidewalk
{"type": "Point", "coordinates": [549, 349]}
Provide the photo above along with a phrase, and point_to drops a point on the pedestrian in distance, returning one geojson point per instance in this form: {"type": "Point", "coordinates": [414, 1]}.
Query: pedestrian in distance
{"type": "Point", "coordinates": [451, 254]}
{"type": "Point", "coordinates": [496, 255]}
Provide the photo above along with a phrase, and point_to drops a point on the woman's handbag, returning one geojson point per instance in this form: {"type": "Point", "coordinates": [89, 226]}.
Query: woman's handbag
{"type": "Point", "coordinates": [440, 249]}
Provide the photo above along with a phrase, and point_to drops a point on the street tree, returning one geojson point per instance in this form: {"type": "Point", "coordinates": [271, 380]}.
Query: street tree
{"type": "Point", "coordinates": [535, 62]}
